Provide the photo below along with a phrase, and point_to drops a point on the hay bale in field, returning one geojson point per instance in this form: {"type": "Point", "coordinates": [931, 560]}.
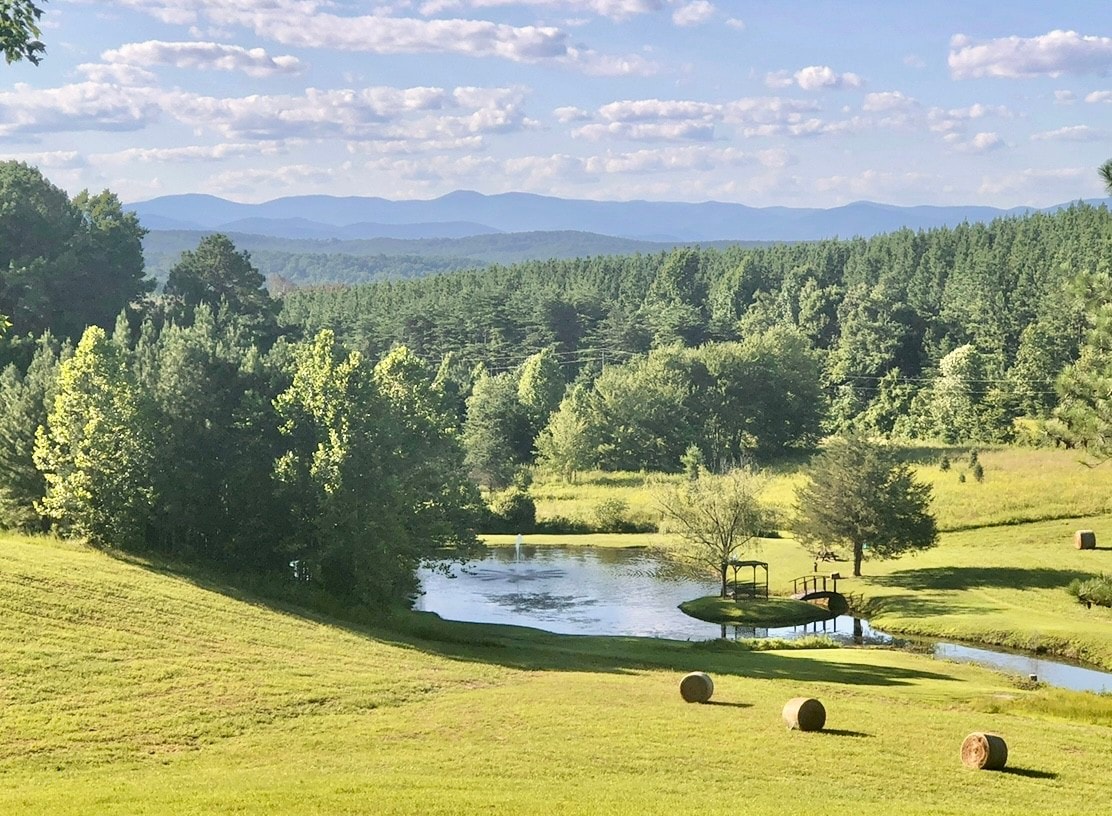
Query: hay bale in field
{"type": "Point", "coordinates": [1085, 540]}
{"type": "Point", "coordinates": [984, 751]}
{"type": "Point", "coordinates": [696, 687]}
{"type": "Point", "coordinates": [804, 714]}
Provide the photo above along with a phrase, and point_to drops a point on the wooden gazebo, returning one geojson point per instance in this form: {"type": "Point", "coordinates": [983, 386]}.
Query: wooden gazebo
{"type": "Point", "coordinates": [751, 588]}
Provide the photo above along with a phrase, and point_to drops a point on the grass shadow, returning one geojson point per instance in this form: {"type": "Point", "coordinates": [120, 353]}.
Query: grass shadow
{"type": "Point", "coordinates": [842, 732]}
{"type": "Point", "coordinates": [731, 705]}
{"type": "Point", "coordinates": [961, 578]}
{"type": "Point", "coordinates": [1029, 773]}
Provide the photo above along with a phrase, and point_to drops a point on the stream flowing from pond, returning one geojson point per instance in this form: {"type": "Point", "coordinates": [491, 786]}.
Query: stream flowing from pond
{"type": "Point", "coordinates": [601, 591]}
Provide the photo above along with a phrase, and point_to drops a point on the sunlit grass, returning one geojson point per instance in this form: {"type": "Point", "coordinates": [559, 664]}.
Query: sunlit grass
{"type": "Point", "coordinates": [129, 690]}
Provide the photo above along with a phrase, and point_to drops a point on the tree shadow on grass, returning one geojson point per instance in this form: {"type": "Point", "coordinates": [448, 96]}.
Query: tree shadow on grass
{"type": "Point", "coordinates": [1030, 773]}
{"type": "Point", "coordinates": [842, 732]}
{"type": "Point", "coordinates": [979, 578]}
{"type": "Point", "coordinates": [537, 650]}
{"type": "Point", "coordinates": [726, 703]}
{"type": "Point", "coordinates": [923, 606]}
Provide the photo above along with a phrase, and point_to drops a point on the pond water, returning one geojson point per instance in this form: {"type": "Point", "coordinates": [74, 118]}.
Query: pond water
{"type": "Point", "coordinates": [588, 591]}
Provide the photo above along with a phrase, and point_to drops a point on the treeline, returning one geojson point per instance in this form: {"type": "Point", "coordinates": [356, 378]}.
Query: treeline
{"type": "Point", "coordinates": [192, 425]}
{"type": "Point", "coordinates": [949, 333]}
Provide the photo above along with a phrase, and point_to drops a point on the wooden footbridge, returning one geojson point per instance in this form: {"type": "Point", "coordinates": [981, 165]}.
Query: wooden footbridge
{"type": "Point", "coordinates": [815, 589]}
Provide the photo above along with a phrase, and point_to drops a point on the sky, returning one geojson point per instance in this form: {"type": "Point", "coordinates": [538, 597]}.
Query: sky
{"type": "Point", "coordinates": [783, 102]}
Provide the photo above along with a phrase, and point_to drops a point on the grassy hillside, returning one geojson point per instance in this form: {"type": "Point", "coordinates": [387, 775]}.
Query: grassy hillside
{"type": "Point", "coordinates": [125, 689]}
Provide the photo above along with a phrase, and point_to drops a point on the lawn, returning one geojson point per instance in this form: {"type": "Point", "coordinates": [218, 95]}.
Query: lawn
{"type": "Point", "coordinates": [127, 689]}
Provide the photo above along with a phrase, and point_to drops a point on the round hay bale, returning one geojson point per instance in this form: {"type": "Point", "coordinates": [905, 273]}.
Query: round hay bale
{"type": "Point", "coordinates": [805, 714]}
{"type": "Point", "coordinates": [984, 751]}
{"type": "Point", "coordinates": [1085, 540]}
{"type": "Point", "coordinates": [696, 687]}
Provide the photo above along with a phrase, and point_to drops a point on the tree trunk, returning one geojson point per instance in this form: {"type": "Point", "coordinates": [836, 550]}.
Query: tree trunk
{"type": "Point", "coordinates": [724, 565]}
{"type": "Point", "coordinates": [858, 557]}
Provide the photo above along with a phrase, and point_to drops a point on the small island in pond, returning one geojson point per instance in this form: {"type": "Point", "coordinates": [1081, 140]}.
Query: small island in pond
{"type": "Point", "coordinates": [764, 612]}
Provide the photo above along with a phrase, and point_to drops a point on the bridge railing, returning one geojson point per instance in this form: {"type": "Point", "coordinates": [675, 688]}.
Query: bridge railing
{"type": "Point", "coordinates": [816, 582]}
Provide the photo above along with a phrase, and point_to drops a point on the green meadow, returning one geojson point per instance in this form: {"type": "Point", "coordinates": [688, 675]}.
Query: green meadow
{"type": "Point", "coordinates": [130, 688]}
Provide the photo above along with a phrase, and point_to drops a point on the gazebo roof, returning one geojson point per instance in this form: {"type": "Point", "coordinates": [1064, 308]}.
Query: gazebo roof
{"type": "Point", "coordinates": [735, 563]}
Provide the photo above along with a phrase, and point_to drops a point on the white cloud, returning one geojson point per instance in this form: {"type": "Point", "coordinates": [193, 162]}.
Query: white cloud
{"type": "Point", "coordinates": [813, 78]}
{"type": "Point", "coordinates": [1099, 96]}
{"type": "Point", "coordinates": [736, 24]}
{"type": "Point", "coordinates": [77, 107]}
{"type": "Point", "coordinates": [53, 159]}
{"type": "Point", "coordinates": [914, 61]}
{"type": "Point", "coordinates": [189, 153]}
{"type": "Point", "coordinates": [119, 74]}
{"type": "Point", "coordinates": [817, 77]}
{"type": "Point", "coordinates": [779, 79]}
{"type": "Point", "coordinates": [311, 24]}
{"type": "Point", "coordinates": [1071, 133]}
{"type": "Point", "coordinates": [570, 113]}
{"type": "Point", "coordinates": [1064, 97]}
{"type": "Point", "coordinates": [251, 181]}
{"type": "Point", "coordinates": [694, 13]}
{"type": "Point", "coordinates": [691, 120]}
{"type": "Point", "coordinates": [1052, 54]}
{"type": "Point", "coordinates": [888, 101]}
{"type": "Point", "coordinates": [871, 184]}
{"type": "Point", "coordinates": [365, 114]}
{"type": "Point", "coordinates": [980, 143]}
{"type": "Point", "coordinates": [1040, 181]}
{"type": "Point", "coordinates": [614, 9]}
{"type": "Point", "coordinates": [254, 62]}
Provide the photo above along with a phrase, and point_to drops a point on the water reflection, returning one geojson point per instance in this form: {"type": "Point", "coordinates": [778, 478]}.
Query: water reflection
{"type": "Point", "coordinates": [582, 590]}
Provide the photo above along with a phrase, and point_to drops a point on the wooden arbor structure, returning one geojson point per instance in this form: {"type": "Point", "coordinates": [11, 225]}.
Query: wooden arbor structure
{"type": "Point", "coordinates": [751, 588]}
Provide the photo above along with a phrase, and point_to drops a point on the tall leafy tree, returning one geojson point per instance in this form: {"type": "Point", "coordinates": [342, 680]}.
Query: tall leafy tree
{"type": "Point", "coordinates": [859, 498]}
{"type": "Point", "coordinates": [368, 501]}
{"type": "Point", "coordinates": [497, 434]}
{"type": "Point", "coordinates": [64, 265]}
{"type": "Point", "coordinates": [97, 448]}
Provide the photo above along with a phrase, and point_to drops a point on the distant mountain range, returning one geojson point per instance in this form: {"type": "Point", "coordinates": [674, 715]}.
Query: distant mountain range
{"type": "Point", "coordinates": [465, 214]}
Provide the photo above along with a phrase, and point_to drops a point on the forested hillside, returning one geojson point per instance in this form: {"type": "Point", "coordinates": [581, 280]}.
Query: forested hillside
{"type": "Point", "coordinates": [950, 333]}
{"type": "Point", "coordinates": [343, 434]}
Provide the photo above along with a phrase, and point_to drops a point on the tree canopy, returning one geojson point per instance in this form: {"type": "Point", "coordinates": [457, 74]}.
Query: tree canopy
{"type": "Point", "coordinates": [19, 31]}
{"type": "Point", "coordinates": [858, 497]}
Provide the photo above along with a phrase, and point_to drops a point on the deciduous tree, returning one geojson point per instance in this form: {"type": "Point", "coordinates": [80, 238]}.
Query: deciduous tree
{"type": "Point", "coordinates": [718, 517]}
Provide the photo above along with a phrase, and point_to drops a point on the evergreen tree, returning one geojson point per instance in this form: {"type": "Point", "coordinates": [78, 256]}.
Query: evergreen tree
{"type": "Point", "coordinates": [25, 403]}
{"type": "Point", "coordinates": [858, 497]}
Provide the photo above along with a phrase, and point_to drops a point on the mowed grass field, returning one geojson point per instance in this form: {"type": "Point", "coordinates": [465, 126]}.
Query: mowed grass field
{"type": "Point", "coordinates": [126, 689]}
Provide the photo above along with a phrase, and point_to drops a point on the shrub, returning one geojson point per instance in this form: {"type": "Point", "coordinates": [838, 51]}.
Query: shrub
{"type": "Point", "coordinates": [1096, 590]}
{"type": "Point", "coordinates": [513, 511]}
{"type": "Point", "coordinates": [610, 516]}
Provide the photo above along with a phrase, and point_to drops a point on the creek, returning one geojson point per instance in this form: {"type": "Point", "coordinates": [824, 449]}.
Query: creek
{"type": "Point", "coordinates": [601, 591]}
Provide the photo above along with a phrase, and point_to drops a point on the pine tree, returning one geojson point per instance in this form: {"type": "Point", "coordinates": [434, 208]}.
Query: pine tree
{"type": "Point", "coordinates": [858, 497]}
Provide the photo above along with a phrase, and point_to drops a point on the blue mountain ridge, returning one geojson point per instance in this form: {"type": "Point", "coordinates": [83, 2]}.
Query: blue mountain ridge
{"type": "Point", "coordinates": [466, 213]}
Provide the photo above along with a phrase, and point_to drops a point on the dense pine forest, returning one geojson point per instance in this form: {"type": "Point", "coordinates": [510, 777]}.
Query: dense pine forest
{"type": "Point", "coordinates": [342, 435]}
{"type": "Point", "coordinates": [951, 333]}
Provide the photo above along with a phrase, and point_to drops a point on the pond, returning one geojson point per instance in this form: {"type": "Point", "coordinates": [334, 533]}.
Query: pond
{"type": "Point", "coordinates": [589, 591]}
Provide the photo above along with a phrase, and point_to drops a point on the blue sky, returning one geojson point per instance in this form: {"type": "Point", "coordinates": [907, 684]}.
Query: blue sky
{"type": "Point", "coordinates": [761, 103]}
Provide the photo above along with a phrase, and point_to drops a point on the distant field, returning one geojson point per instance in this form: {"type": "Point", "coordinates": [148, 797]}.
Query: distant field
{"type": "Point", "coordinates": [1020, 485]}
{"type": "Point", "coordinates": [128, 690]}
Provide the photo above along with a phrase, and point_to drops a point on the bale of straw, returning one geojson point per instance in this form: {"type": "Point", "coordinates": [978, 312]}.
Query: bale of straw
{"type": "Point", "coordinates": [1085, 540]}
{"type": "Point", "coordinates": [696, 687]}
{"type": "Point", "coordinates": [805, 714]}
{"type": "Point", "coordinates": [984, 751]}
